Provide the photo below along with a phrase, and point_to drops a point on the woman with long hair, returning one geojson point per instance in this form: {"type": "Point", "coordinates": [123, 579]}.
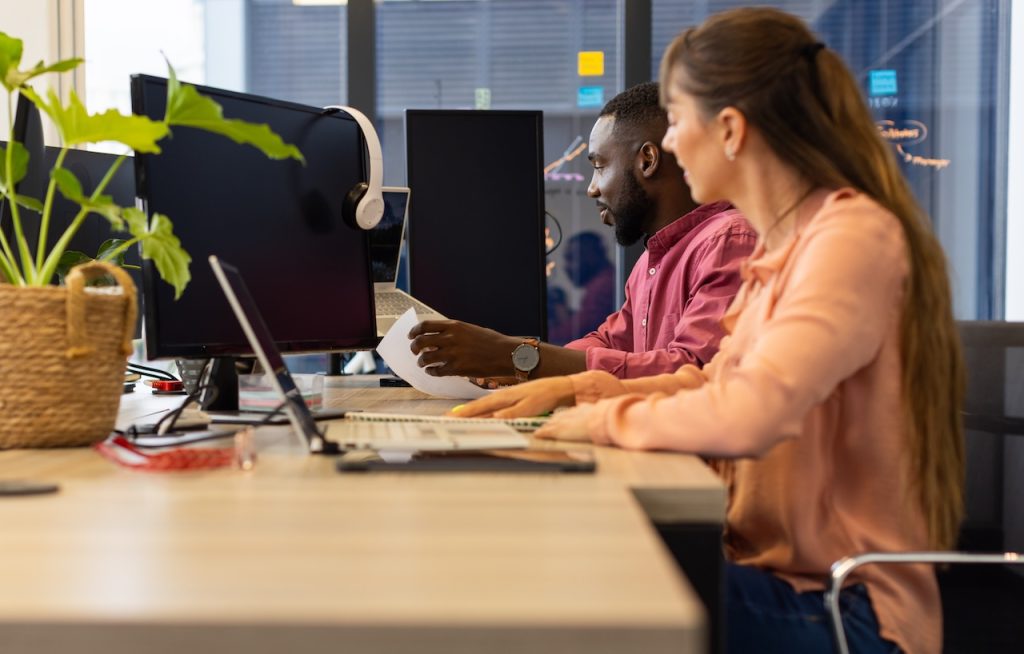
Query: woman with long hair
{"type": "Point", "coordinates": [832, 410]}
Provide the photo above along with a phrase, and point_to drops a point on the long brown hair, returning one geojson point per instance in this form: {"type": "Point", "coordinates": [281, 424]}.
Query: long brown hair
{"type": "Point", "coordinates": [808, 107]}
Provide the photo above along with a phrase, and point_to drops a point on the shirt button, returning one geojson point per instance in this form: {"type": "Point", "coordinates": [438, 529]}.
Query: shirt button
{"type": "Point", "coordinates": [652, 271]}
{"type": "Point", "coordinates": [644, 322]}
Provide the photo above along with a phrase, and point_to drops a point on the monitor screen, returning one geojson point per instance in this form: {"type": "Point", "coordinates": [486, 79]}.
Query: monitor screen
{"type": "Point", "coordinates": [279, 221]}
{"type": "Point", "coordinates": [386, 237]}
{"type": "Point", "coordinates": [90, 168]}
{"type": "Point", "coordinates": [476, 227]}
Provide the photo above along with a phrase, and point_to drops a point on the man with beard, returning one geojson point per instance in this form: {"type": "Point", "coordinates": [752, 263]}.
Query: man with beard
{"type": "Point", "coordinates": [676, 294]}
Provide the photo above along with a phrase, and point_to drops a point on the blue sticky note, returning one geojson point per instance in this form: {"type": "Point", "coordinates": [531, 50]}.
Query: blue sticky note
{"type": "Point", "coordinates": [882, 82]}
{"type": "Point", "coordinates": [589, 97]}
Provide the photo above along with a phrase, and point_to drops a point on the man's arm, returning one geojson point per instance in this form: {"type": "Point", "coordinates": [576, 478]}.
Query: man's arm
{"type": "Point", "coordinates": [472, 351]}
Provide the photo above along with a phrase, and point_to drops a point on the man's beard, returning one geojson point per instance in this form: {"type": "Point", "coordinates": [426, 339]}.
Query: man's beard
{"type": "Point", "coordinates": [632, 213]}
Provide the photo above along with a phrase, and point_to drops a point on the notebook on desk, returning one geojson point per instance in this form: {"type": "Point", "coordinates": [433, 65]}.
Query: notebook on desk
{"type": "Point", "coordinates": [385, 256]}
{"type": "Point", "coordinates": [363, 434]}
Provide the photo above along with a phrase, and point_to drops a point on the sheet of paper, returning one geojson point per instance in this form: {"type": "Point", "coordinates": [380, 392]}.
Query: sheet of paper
{"type": "Point", "coordinates": [394, 349]}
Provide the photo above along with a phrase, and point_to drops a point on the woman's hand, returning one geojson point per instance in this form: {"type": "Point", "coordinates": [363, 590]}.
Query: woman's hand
{"type": "Point", "coordinates": [523, 400]}
{"type": "Point", "coordinates": [568, 425]}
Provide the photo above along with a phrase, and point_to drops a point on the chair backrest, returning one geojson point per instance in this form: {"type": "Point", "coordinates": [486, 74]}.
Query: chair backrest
{"type": "Point", "coordinates": [994, 408]}
{"type": "Point", "coordinates": [994, 354]}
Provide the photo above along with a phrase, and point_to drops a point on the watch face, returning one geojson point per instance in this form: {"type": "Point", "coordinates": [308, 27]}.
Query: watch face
{"type": "Point", "coordinates": [525, 357]}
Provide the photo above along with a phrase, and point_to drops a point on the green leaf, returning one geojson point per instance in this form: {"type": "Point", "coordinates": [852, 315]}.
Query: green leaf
{"type": "Point", "coordinates": [10, 56]}
{"type": "Point", "coordinates": [104, 205]}
{"type": "Point", "coordinates": [110, 245]}
{"type": "Point", "coordinates": [11, 51]}
{"type": "Point", "coordinates": [16, 78]}
{"type": "Point", "coordinates": [138, 225]}
{"type": "Point", "coordinates": [68, 184]}
{"type": "Point", "coordinates": [29, 203]}
{"type": "Point", "coordinates": [161, 246]}
{"type": "Point", "coordinates": [77, 126]}
{"type": "Point", "coordinates": [69, 260]}
{"type": "Point", "coordinates": [19, 164]}
{"type": "Point", "coordinates": [186, 107]}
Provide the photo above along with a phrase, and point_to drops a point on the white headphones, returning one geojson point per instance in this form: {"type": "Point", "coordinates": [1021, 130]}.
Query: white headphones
{"type": "Point", "coordinates": [364, 204]}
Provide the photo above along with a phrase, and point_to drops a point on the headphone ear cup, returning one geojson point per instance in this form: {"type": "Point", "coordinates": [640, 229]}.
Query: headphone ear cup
{"type": "Point", "coordinates": [351, 205]}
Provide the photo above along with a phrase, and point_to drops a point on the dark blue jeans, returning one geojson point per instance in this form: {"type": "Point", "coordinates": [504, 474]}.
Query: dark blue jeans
{"type": "Point", "coordinates": [764, 614]}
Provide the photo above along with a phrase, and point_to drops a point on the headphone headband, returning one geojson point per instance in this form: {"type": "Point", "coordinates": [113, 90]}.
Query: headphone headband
{"type": "Point", "coordinates": [369, 206]}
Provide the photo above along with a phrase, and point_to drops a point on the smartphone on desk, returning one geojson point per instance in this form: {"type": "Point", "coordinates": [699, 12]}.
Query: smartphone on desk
{"type": "Point", "coordinates": [473, 461]}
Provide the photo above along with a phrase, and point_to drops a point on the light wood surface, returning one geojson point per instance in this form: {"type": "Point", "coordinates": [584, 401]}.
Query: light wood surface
{"type": "Point", "coordinates": [294, 557]}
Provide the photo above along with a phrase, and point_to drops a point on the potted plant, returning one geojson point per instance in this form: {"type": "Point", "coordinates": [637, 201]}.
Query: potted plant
{"type": "Point", "coordinates": [63, 348]}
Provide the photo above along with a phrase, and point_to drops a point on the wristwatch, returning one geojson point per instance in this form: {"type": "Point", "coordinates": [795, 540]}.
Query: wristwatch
{"type": "Point", "coordinates": [525, 358]}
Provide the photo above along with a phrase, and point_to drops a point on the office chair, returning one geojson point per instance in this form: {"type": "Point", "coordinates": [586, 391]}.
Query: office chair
{"type": "Point", "coordinates": [994, 357]}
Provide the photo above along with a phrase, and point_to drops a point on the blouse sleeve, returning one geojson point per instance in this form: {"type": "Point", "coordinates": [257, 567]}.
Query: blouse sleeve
{"type": "Point", "coordinates": [829, 320]}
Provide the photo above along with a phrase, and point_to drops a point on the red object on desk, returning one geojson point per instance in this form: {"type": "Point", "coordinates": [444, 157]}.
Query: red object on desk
{"type": "Point", "coordinates": [120, 450]}
{"type": "Point", "coordinates": [167, 386]}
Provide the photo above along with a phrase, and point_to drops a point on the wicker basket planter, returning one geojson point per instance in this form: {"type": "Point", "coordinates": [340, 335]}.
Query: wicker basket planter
{"type": "Point", "coordinates": [62, 358]}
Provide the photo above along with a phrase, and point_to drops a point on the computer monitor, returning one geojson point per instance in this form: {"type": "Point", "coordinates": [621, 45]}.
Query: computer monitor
{"type": "Point", "coordinates": [476, 227]}
{"type": "Point", "coordinates": [279, 221]}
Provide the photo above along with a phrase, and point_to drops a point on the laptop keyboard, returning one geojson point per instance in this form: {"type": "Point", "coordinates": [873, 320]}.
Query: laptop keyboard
{"type": "Point", "coordinates": [395, 304]}
{"type": "Point", "coordinates": [393, 434]}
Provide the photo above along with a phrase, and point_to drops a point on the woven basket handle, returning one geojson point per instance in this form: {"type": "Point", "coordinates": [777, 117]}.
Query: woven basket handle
{"type": "Point", "coordinates": [78, 340]}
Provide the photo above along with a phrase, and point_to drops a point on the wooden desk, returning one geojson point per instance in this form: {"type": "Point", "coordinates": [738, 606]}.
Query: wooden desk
{"type": "Point", "coordinates": [295, 557]}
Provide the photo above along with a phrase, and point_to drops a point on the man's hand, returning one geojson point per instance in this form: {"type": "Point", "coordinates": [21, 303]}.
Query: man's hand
{"type": "Point", "coordinates": [530, 399]}
{"type": "Point", "coordinates": [462, 349]}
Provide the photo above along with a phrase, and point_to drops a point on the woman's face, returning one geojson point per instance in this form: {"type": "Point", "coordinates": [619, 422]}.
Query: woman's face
{"type": "Point", "coordinates": [692, 140]}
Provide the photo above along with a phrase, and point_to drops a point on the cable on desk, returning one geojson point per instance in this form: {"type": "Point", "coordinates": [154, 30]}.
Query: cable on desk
{"type": "Point", "coordinates": [133, 437]}
{"type": "Point", "coordinates": [146, 371]}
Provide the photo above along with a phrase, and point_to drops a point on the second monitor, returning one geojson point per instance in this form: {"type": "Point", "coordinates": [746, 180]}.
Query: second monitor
{"type": "Point", "coordinates": [476, 226]}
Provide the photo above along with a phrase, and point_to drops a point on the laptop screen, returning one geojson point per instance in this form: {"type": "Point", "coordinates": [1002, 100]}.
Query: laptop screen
{"type": "Point", "coordinates": [386, 237]}
{"type": "Point", "coordinates": [262, 343]}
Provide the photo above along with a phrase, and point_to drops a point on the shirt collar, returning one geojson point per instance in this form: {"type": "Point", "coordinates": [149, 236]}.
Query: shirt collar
{"type": "Point", "coordinates": [666, 237]}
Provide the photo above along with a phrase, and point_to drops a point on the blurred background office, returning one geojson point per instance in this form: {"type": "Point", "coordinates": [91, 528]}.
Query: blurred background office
{"type": "Point", "coordinates": [937, 73]}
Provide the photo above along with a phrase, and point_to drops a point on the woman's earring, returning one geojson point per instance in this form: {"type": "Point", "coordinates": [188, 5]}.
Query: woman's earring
{"type": "Point", "coordinates": [730, 154]}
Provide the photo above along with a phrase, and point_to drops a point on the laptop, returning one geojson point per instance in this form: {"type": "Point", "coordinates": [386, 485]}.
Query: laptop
{"type": "Point", "coordinates": [384, 436]}
{"type": "Point", "coordinates": [386, 241]}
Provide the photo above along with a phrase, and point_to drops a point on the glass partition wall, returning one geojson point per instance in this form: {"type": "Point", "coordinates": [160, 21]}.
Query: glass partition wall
{"type": "Point", "coordinates": [936, 73]}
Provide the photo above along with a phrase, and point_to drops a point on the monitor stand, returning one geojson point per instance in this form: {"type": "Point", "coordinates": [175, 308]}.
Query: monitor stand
{"type": "Point", "coordinates": [221, 392]}
{"type": "Point", "coordinates": [220, 399]}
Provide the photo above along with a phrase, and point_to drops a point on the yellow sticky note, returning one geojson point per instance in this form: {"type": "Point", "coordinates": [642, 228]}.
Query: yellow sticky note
{"type": "Point", "coordinates": [590, 62]}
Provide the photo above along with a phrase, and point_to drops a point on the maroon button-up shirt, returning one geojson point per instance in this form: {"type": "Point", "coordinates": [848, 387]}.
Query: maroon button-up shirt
{"type": "Point", "coordinates": [675, 296]}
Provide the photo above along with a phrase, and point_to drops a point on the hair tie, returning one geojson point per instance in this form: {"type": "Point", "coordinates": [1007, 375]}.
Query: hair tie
{"type": "Point", "coordinates": [811, 49]}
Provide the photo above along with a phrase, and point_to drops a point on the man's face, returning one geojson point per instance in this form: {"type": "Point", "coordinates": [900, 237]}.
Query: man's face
{"type": "Point", "coordinates": [621, 199]}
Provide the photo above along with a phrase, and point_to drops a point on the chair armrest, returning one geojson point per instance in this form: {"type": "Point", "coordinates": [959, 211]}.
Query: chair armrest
{"type": "Point", "coordinates": [842, 568]}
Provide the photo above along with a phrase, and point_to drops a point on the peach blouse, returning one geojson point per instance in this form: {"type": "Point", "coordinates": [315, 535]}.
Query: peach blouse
{"type": "Point", "coordinates": [803, 405]}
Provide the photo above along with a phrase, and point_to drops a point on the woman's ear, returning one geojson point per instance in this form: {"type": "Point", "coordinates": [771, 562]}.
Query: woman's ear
{"type": "Point", "coordinates": [648, 159]}
{"type": "Point", "coordinates": [732, 127]}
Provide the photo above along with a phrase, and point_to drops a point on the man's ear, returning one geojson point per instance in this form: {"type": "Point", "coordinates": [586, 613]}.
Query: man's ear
{"type": "Point", "coordinates": [648, 159]}
{"type": "Point", "coordinates": [732, 126]}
